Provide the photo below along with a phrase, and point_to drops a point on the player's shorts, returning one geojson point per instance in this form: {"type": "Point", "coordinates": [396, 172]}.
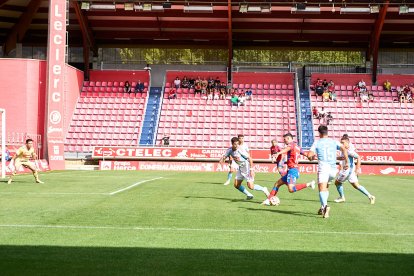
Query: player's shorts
{"type": "Point", "coordinates": [291, 176]}
{"type": "Point", "coordinates": [348, 174]}
{"type": "Point", "coordinates": [326, 173]}
{"type": "Point", "coordinates": [27, 164]}
{"type": "Point", "coordinates": [243, 173]}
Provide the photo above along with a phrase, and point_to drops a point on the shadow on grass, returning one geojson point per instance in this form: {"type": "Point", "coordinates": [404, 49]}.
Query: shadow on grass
{"type": "Point", "coordinates": [50, 260]}
{"type": "Point", "coordinates": [224, 198]}
{"type": "Point", "coordinates": [274, 209]}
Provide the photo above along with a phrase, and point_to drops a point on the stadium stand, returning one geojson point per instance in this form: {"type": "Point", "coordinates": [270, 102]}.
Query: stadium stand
{"type": "Point", "coordinates": [191, 120]}
{"type": "Point", "coordinates": [105, 114]}
{"type": "Point", "coordinates": [379, 125]}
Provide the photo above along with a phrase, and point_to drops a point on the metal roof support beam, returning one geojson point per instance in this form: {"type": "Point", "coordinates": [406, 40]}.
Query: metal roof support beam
{"type": "Point", "coordinates": [19, 29]}
{"type": "Point", "coordinates": [229, 39]}
{"type": "Point", "coordinates": [375, 39]}
{"type": "Point", "coordinates": [85, 29]}
{"type": "Point", "coordinates": [2, 2]}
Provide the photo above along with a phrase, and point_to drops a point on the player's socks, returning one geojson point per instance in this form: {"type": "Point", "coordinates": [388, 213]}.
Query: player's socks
{"type": "Point", "coordinates": [258, 188]}
{"type": "Point", "coordinates": [323, 197]}
{"type": "Point", "coordinates": [273, 192]}
{"type": "Point", "coordinates": [299, 187]}
{"type": "Point", "coordinates": [340, 189]}
{"type": "Point", "coordinates": [229, 176]}
{"type": "Point", "coordinates": [244, 190]}
{"type": "Point", "coordinates": [364, 191]}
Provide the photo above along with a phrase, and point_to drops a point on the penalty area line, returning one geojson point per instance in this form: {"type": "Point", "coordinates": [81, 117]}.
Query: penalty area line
{"type": "Point", "coordinates": [133, 185]}
{"type": "Point", "coordinates": [138, 228]}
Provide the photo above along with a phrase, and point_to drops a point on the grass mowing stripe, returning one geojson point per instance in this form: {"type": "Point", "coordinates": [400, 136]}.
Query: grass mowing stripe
{"type": "Point", "coordinates": [134, 185]}
{"type": "Point", "coordinates": [201, 230]}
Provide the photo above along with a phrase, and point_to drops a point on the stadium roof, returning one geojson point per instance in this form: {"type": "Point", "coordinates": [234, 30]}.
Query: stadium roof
{"type": "Point", "coordinates": [264, 24]}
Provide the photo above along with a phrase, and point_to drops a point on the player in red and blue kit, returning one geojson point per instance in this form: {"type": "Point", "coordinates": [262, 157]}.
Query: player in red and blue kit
{"type": "Point", "coordinates": [293, 151]}
{"type": "Point", "coordinates": [280, 160]}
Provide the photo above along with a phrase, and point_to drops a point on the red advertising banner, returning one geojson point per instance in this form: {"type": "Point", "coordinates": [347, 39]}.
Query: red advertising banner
{"type": "Point", "coordinates": [202, 154]}
{"type": "Point", "coordinates": [42, 165]}
{"type": "Point", "coordinates": [216, 167]}
{"type": "Point", "coordinates": [55, 83]}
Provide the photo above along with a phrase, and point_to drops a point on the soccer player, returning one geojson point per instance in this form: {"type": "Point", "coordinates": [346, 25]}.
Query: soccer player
{"type": "Point", "coordinates": [293, 152]}
{"type": "Point", "coordinates": [22, 158]}
{"type": "Point", "coordinates": [280, 160]}
{"type": "Point", "coordinates": [233, 165]}
{"type": "Point", "coordinates": [325, 149]}
{"type": "Point", "coordinates": [351, 174]}
{"type": "Point", "coordinates": [244, 171]}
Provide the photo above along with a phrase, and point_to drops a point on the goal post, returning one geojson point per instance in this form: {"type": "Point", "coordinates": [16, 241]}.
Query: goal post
{"type": "Point", "coordinates": [3, 142]}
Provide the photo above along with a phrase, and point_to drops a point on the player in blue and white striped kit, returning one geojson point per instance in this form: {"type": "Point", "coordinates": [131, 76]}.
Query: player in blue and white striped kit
{"type": "Point", "coordinates": [244, 171]}
{"type": "Point", "coordinates": [351, 174]}
{"type": "Point", "coordinates": [325, 149]}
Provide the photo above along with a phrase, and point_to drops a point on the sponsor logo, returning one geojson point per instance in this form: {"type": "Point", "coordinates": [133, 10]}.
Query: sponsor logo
{"type": "Point", "coordinates": [182, 154]}
{"type": "Point", "coordinates": [387, 170]}
{"type": "Point", "coordinates": [56, 158]}
{"type": "Point", "coordinates": [55, 117]}
{"type": "Point", "coordinates": [106, 165]}
{"type": "Point", "coordinates": [380, 158]}
{"type": "Point", "coordinates": [52, 129]}
{"type": "Point", "coordinates": [403, 170]}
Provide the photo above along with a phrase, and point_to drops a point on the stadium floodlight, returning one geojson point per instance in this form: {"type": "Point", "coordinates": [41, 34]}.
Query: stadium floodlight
{"type": "Point", "coordinates": [374, 9]}
{"type": "Point", "coordinates": [266, 9]}
{"type": "Point", "coordinates": [147, 7]}
{"type": "Point", "coordinates": [103, 7]}
{"type": "Point", "coordinates": [254, 9]}
{"type": "Point", "coordinates": [129, 6]}
{"type": "Point", "coordinates": [243, 8]}
{"type": "Point", "coordinates": [346, 10]}
{"type": "Point", "coordinates": [306, 10]}
{"type": "Point", "coordinates": [403, 9]}
{"type": "Point", "coordinates": [85, 6]}
{"type": "Point", "coordinates": [198, 9]}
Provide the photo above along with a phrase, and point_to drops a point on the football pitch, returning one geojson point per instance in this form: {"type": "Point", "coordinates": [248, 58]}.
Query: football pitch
{"type": "Point", "coordinates": [180, 223]}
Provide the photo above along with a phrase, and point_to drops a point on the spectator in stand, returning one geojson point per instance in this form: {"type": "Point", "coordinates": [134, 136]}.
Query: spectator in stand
{"type": "Point", "coordinates": [204, 84]}
{"type": "Point", "coordinates": [363, 96]}
{"type": "Point", "coordinates": [331, 86]}
{"type": "Point", "coordinates": [127, 87]}
{"type": "Point", "coordinates": [315, 112]}
{"type": "Point", "coordinates": [322, 114]}
{"type": "Point", "coordinates": [172, 94]}
{"type": "Point", "coordinates": [387, 86]}
{"type": "Point", "coordinates": [328, 118]}
{"type": "Point", "coordinates": [139, 87]}
{"type": "Point", "coordinates": [165, 140]}
{"type": "Point", "coordinates": [198, 87]}
{"type": "Point", "coordinates": [409, 97]}
{"type": "Point", "coordinates": [357, 90]}
{"type": "Point", "coordinates": [318, 87]}
{"type": "Point", "coordinates": [223, 92]}
{"type": "Point", "coordinates": [332, 96]}
{"type": "Point", "coordinates": [177, 83]}
{"type": "Point", "coordinates": [325, 84]}
{"type": "Point", "coordinates": [216, 93]}
{"type": "Point", "coordinates": [370, 97]}
{"type": "Point", "coordinates": [406, 89]}
{"type": "Point", "coordinates": [191, 83]}
{"type": "Point", "coordinates": [242, 99]}
{"type": "Point", "coordinates": [185, 83]}
{"type": "Point", "coordinates": [249, 94]}
{"type": "Point", "coordinates": [325, 96]}
{"type": "Point", "coordinates": [362, 86]}
{"type": "Point", "coordinates": [229, 88]}
{"type": "Point", "coordinates": [401, 96]}
{"type": "Point", "coordinates": [217, 82]}
{"type": "Point", "coordinates": [148, 67]}
{"type": "Point", "coordinates": [234, 100]}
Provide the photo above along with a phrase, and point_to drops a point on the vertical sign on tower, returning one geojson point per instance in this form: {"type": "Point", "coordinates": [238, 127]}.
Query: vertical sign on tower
{"type": "Point", "coordinates": [55, 84]}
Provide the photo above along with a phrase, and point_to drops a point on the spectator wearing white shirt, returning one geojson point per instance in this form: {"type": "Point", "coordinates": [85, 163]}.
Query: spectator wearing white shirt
{"type": "Point", "coordinates": [177, 83]}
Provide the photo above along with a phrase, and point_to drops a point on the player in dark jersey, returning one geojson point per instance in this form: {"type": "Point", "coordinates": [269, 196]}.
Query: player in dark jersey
{"type": "Point", "coordinates": [293, 152]}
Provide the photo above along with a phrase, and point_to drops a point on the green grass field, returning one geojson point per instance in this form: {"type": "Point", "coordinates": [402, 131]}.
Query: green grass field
{"type": "Point", "coordinates": [82, 222]}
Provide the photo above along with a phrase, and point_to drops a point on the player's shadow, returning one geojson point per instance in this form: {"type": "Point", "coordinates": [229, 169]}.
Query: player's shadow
{"type": "Point", "coordinates": [225, 199]}
{"type": "Point", "coordinates": [303, 199]}
{"type": "Point", "coordinates": [209, 182]}
{"type": "Point", "coordinates": [285, 212]}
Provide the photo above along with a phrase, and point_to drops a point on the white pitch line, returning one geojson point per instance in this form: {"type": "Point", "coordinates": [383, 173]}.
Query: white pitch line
{"type": "Point", "coordinates": [169, 229]}
{"type": "Point", "coordinates": [133, 185]}
{"type": "Point", "coordinates": [51, 193]}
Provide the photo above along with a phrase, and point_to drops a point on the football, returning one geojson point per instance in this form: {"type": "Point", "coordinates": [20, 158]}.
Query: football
{"type": "Point", "coordinates": [274, 201]}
